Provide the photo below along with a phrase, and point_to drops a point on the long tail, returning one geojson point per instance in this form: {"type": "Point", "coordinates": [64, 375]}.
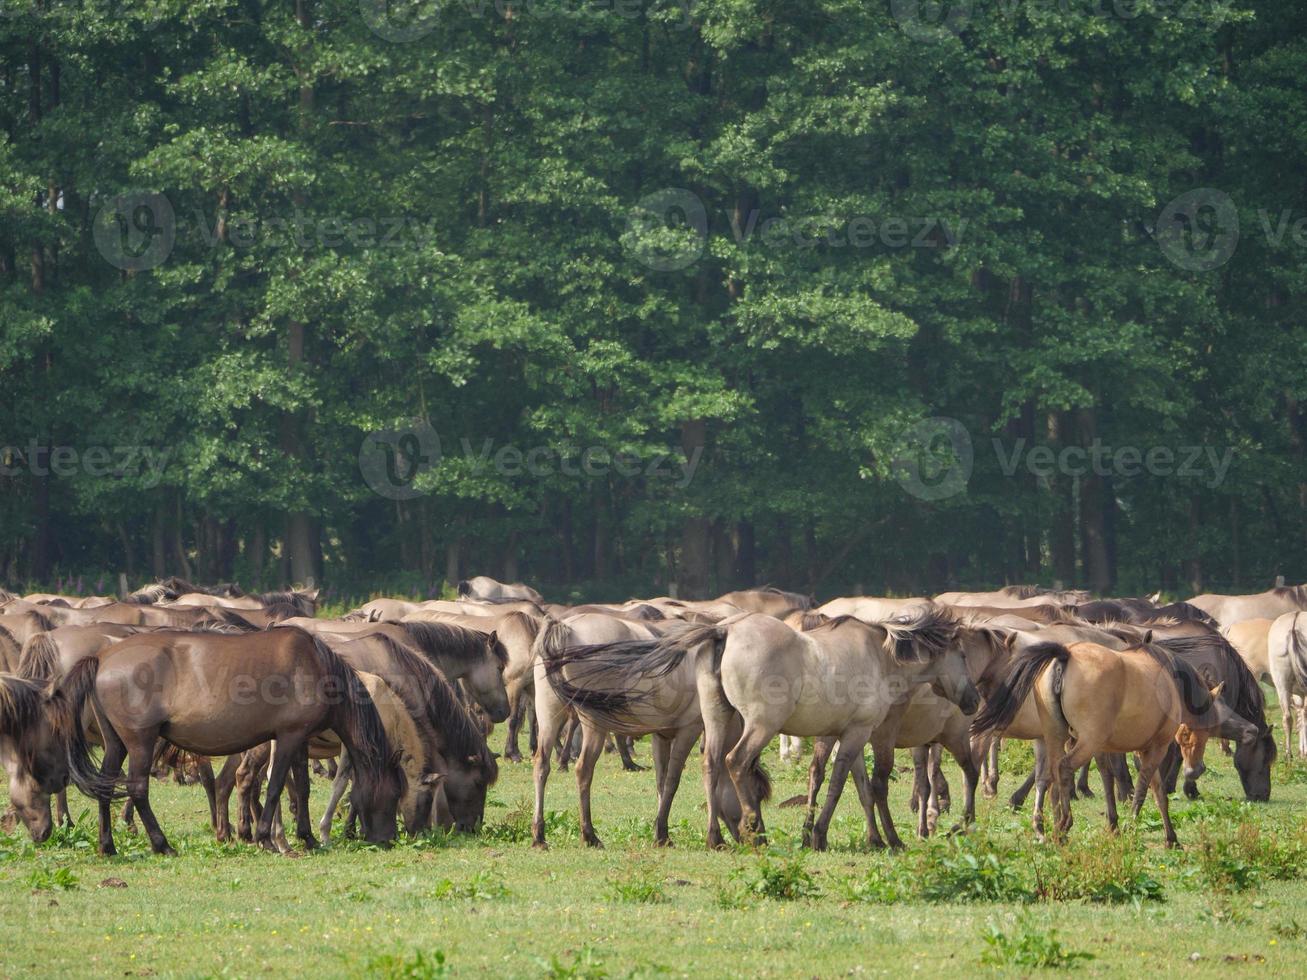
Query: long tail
{"type": "Point", "coordinates": [67, 703]}
{"type": "Point", "coordinates": [1012, 691]}
{"type": "Point", "coordinates": [606, 673]}
{"type": "Point", "coordinates": [40, 658]}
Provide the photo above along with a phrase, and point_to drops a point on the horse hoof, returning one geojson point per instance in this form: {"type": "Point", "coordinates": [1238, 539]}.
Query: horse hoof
{"type": "Point", "coordinates": [592, 841]}
{"type": "Point", "coordinates": [167, 851]}
{"type": "Point", "coordinates": [309, 843]}
{"type": "Point", "coordinates": [540, 845]}
{"type": "Point", "coordinates": [663, 842]}
{"type": "Point", "coordinates": [636, 767]}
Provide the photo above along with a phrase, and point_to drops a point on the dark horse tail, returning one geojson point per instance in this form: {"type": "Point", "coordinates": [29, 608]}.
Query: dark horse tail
{"type": "Point", "coordinates": [67, 704]}
{"type": "Point", "coordinates": [360, 725]}
{"type": "Point", "coordinates": [1011, 693]}
{"type": "Point", "coordinates": [615, 667]}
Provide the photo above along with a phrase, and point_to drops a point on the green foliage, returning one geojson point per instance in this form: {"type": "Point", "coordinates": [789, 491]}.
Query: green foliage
{"type": "Point", "coordinates": [1030, 947]}
{"type": "Point", "coordinates": [418, 966]}
{"type": "Point", "coordinates": [50, 879]}
{"type": "Point", "coordinates": [465, 246]}
{"type": "Point", "coordinates": [482, 886]}
{"type": "Point", "coordinates": [782, 877]}
{"type": "Point", "coordinates": [1107, 869]}
{"type": "Point", "coordinates": [967, 873]}
{"type": "Point", "coordinates": [585, 964]}
{"type": "Point", "coordinates": [641, 884]}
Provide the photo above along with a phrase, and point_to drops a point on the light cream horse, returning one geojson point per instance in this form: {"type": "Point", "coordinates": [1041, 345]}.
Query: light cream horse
{"type": "Point", "coordinates": [841, 679]}
{"type": "Point", "coordinates": [1286, 650]}
{"type": "Point", "coordinates": [1230, 609]}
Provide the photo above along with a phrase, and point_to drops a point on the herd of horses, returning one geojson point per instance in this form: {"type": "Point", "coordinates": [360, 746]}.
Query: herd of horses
{"type": "Point", "coordinates": [394, 701]}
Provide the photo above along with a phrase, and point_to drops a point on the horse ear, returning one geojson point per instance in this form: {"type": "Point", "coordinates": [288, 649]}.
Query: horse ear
{"type": "Point", "coordinates": [1216, 691]}
{"type": "Point", "coordinates": [1148, 637]}
{"type": "Point", "coordinates": [433, 779]}
{"type": "Point", "coordinates": [1155, 598]}
{"type": "Point", "coordinates": [493, 638]}
{"type": "Point", "coordinates": [1010, 640]}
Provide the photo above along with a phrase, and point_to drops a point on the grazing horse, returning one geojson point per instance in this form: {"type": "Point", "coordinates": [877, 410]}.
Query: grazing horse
{"type": "Point", "coordinates": [215, 694]}
{"type": "Point", "coordinates": [1286, 653]}
{"type": "Point", "coordinates": [31, 751]}
{"type": "Point", "coordinates": [1086, 701]}
{"type": "Point", "coordinates": [475, 657]}
{"type": "Point", "coordinates": [517, 632]}
{"type": "Point", "coordinates": [840, 679]}
{"type": "Point", "coordinates": [1230, 609]}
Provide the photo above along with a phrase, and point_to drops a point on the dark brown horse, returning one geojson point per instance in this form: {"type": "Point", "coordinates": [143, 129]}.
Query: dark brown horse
{"type": "Point", "coordinates": [215, 694]}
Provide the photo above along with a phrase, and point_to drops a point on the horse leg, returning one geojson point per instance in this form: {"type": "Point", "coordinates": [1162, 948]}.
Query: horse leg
{"type": "Point", "coordinates": [1039, 777]}
{"type": "Point", "coordinates": [989, 755]}
{"type": "Point", "coordinates": [1125, 786]}
{"type": "Point", "coordinates": [921, 787]}
{"type": "Point", "coordinates": [862, 783]}
{"type": "Point", "coordinates": [565, 744]}
{"type": "Point", "coordinates": [676, 751]}
{"type": "Point", "coordinates": [961, 751]}
{"type": "Point", "coordinates": [625, 744]}
{"type": "Point", "coordinates": [299, 785]}
{"type": "Point", "coordinates": [205, 769]}
{"type": "Point", "coordinates": [1082, 784]}
{"type": "Point", "coordinates": [592, 747]}
{"type": "Point", "coordinates": [128, 817]}
{"type": "Point", "coordinates": [740, 761]}
{"type": "Point", "coordinates": [61, 813]}
{"type": "Point", "coordinates": [140, 760]}
{"type": "Point", "coordinates": [338, 786]}
{"type": "Point", "coordinates": [223, 786]}
{"type": "Point", "coordinates": [114, 754]}
{"type": "Point", "coordinates": [511, 752]}
{"type": "Point", "coordinates": [821, 750]}
{"type": "Point", "coordinates": [850, 751]}
{"type": "Point", "coordinates": [937, 799]}
{"type": "Point", "coordinates": [1077, 755]}
{"type": "Point", "coordinates": [717, 725]}
{"type": "Point", "coordinates": [1018, 798]}
{"type": "Point", "coordinates": [1159, 795]}
{"type": "Point", "coordinates": [883, 766]}
{"type": "Point", "coordinates": [288, 746]}
{"type": "Point", "coordinates": [550, 715]}
{"type": "Point", "coordinates": [1105, 773]}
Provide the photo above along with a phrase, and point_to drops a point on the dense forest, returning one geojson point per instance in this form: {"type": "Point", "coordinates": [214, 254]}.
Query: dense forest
{"type": "Point", "coordinates": [623, 297]}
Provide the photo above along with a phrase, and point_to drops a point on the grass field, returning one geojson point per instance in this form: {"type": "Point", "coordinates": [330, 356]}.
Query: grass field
{"type": "Point", "coordinates": [1235, 898]}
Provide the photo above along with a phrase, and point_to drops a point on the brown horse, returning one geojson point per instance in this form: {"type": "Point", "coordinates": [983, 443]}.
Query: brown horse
{"type": "Point", "coordinates": [215, 694]}
{"type": "Point", "coordinates": [1086, 701]}
{"type": "Point", "coordinates": [1230, 609]}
